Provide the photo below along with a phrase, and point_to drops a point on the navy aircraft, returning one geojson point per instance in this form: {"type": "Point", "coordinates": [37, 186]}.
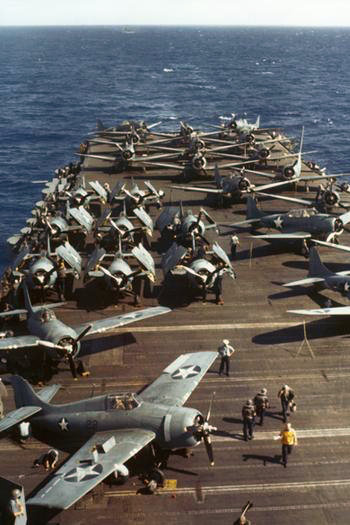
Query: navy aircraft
{"type": "Point", "coordinates": [136, 130]}
{"type": "Point", "coordinates": [238, 125]}
{"type": "Point", "coordinates": [296, 224]}
{"type": "Point", "coordinates": [137, 197]}
{"type": "Point", "coordinates": [337, 310]}
{"type": "Point", "coordinates": [125, 157]}
{"type": "Point", "coordinates": [59, 339]}
{"type": "Point", "coordinates": [320, 275]}
{"type": "Point", "coordinates": [122, 228]}
{"type": "Point", "coordinates": [113, 428]}
{"type": "Point", "coordinates": [41, 273]}
{"type": "Point", "coordinates": [118, 276]}
{"type": "Point", "coordinates": [200, 272]}
{"type": "Point", "coordinates": [231, 187]}
{"type": "Point", "coordinates": [184, 226]}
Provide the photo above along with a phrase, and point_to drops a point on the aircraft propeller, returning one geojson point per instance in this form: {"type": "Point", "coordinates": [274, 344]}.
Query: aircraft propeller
{"type": "Point", "coordinates": [202, 430]}
{"type": "Point", "coordinates": [63, 349]}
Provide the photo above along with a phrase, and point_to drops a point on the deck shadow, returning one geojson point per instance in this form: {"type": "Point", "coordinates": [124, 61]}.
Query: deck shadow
{"type": "Point", "coordinates": [265, 459]}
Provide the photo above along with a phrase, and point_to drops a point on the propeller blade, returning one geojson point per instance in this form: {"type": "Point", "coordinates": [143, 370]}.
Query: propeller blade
{"type": "Point", "coordinates": [49, 344]}
{"type": "Point", "coordinates": [209, 448]}
{"type": "Point", "coordinates": [83, 333]}
{"type": "Point", "coordinates": [210, 406]}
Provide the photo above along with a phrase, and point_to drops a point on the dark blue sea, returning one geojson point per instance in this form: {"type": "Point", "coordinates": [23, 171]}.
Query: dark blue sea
{"type": "Point", "coordinates": [56, 81]}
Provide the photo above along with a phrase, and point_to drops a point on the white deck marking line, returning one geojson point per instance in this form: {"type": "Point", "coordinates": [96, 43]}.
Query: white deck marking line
{"type": "Point", "coordinates": [259, 487]}
{"type": "Point", "coordinates": [195, 327]}
{"type": "Point", "coordinates": [309, 433]}
{"type": "Point", "coordinates": [310, 506]}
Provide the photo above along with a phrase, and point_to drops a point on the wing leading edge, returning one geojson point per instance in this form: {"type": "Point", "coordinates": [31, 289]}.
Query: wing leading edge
{"type": "Point", "coordinates": [101, 455]}
{"type": "Point", "coordinates": [178, 380]}
{"type": "Point", "coordinates": [102, 325]}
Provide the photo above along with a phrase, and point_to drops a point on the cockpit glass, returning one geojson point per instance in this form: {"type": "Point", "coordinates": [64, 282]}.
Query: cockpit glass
{"type": "Point", "coordinates": [299, 212]}
{"type": "Point", "coordinates": [47, 315]}
{"type": "Point", "coordinates": [122, 402]}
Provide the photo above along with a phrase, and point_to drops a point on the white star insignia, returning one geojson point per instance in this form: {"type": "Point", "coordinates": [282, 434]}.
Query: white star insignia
{"type": "Point", "coordinates": [186, 371]}
{"type": "Point", "coordinates": [63, 424]}
{"type": "Point", "coordinates": [278, 222]}
{"type": "Point", "coordinates": [84, 473]}
{"type": "Point", "coordinates": [346, 287]}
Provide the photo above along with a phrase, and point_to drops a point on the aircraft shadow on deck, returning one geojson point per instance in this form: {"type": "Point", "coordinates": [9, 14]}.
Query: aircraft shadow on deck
{"type": "Point", "coordinates": [318, 329]}
{"type": "Point", "coordinates": [304, 265]}
{"type": "Point", "coordinates": [101, 344]}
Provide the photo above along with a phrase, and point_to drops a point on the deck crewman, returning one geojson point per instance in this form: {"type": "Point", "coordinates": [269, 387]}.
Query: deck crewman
{"type": "Point", "coordinates": [248, 416]}
{"type": "Point", "coordinates": [261, 403]}
{"type": "Point", "coordinates": [225, 351]}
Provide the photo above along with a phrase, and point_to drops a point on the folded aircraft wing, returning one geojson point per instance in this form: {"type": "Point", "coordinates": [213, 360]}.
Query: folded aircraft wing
{"type": "Point", "coordinates": [287, 236]}
{"type": "Point", "coordinates": [178, 380]}
{"type": "Point", "coordinates": [101, 455]}
{"type": "Point", "coordinates": [337, 310]}
{"type": "Point", "coordinates": [16, 416]}
{"type": "Point", "coordinates": [110, 323]}
{"type": "Point", "coordinates": [22, 341]}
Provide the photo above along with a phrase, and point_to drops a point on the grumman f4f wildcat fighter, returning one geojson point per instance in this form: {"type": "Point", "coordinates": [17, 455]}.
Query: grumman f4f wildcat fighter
{"type": "Point", "coordinates": [111, 429]}
{"type": "Point", "coordinates": [61, 340]}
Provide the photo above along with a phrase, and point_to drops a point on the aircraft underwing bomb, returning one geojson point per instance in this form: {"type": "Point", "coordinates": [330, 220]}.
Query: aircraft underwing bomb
{"type": "Point", "coordinates": [124, 425]}
{"type": "Point", "coordinates": [320, 276]}
{"type": "Point", "coordinates": [118, 276]}
{"type": "Point", "coordinates": [295, 225]}
{"type": "Point", "coordinates": [201, 269]}
{"type": "Point", "coordinates": [183, 226]}
{"type": "Point", "coordinates": [60, 340]}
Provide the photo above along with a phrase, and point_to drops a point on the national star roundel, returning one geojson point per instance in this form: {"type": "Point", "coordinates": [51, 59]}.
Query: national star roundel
{"type": "Point", "coordinates": [185, 372]}
{"type": "Point", "coordinates": [83, 473]}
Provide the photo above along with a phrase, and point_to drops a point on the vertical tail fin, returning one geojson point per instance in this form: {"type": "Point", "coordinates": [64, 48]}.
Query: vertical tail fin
{"type": "Point", "coordinates": [24, 393]}
{"type": "Point", "coordinates": [316, 267]}
{"type": "Point", "coordinates": [257, 123]}
{"type": "Point", "coordinates": [27, 301]}
{"type": "Point", "coordinates": [217, 177]}
{"type": "Point", "coordinates": [253, 211]}
{"type": "Point", "coordinates": [297, 165]}
{"type": "Point", "coordinates": [99, 125]}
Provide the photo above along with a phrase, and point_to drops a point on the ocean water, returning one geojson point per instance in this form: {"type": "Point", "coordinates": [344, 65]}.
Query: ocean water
{"type": "Point", "coordinates": [56, 81]}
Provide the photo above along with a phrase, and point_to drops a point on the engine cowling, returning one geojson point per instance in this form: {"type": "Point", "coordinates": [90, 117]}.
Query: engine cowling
{"type": "Point", "coordinates": [198, 163]}
{"type": "Point", "coordinates": [331, 198]}
{"type": "Point", "coordinates": [127, 154]}
{"type": "Point", "coordinates": [264, 153]}
{"type": "Point", "coordinates": [288, 172]}
{"type": "Point", "coordinates": [244, 184]}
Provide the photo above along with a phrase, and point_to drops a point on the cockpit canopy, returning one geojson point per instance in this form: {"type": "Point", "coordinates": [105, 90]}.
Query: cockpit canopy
{"type": "Point", "coordinates": [300, 212]}
{"type": "Point", "coordinates": [122, 402]}
{"type": "Point", "coordinates": [47, 315]}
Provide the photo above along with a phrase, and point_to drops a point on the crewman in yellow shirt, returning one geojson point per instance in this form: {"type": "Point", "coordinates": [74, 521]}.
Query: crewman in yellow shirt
{"type": "Point", "coordinates": [288, 439]}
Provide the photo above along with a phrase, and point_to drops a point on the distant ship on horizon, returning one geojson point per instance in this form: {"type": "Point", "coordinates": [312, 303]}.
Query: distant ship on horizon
{"type": "Point", "coordinates": [127, 30]}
